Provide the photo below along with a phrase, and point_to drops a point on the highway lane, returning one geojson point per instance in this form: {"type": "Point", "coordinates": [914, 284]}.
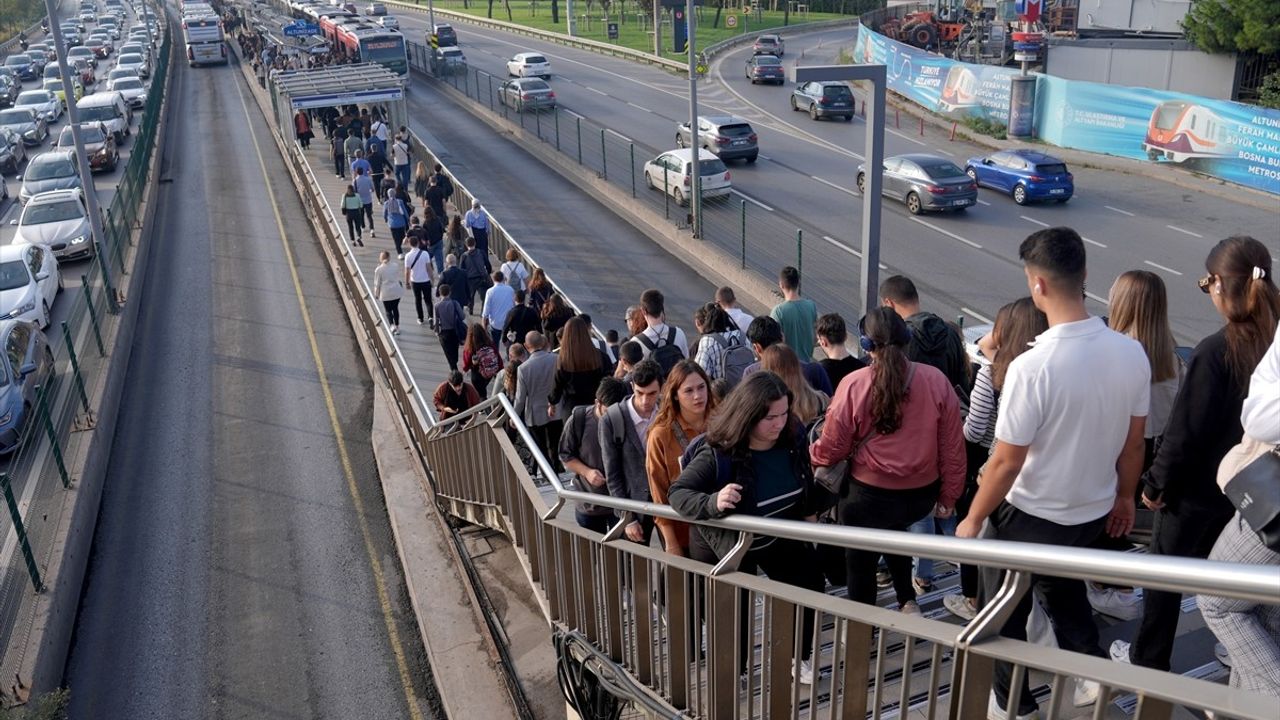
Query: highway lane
{"type": "Point", "coordinates": [243, 564]}
{"type": "Point", "coordinates": [809, 166]}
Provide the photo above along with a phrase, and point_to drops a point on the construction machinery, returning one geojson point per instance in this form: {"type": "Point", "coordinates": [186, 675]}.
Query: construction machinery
{"type": "Point", "coordinates": [977, 31]}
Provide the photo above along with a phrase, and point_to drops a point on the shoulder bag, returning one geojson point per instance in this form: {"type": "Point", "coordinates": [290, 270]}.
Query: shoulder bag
{"type": "Point", "coordinates": [1250, 476]}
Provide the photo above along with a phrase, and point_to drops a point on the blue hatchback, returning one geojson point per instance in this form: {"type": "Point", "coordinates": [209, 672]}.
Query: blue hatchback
{"type": "Point", "coordinates": [1027, 175]}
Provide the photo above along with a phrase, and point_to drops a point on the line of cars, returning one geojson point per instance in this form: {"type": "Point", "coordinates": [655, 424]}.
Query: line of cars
{"type": "Point", "coordinates": [53, 225]}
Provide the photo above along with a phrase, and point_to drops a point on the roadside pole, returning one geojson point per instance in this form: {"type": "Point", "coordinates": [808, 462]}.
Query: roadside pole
{"type": "Point", "coordinates": [695, 202]}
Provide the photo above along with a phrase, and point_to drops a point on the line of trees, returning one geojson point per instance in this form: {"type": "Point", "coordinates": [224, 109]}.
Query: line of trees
{"type": "Point", "coordinates": [1240, 26]}
{"type": "Point", "coordinates": [18, 15]}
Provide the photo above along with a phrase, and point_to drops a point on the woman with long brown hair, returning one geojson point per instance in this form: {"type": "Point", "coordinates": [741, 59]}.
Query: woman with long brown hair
{"type": "Point", "coordinates": [556, 313]}
{"type": "Point", "coordinates": [540, 289]}
{"type": "Point", "coordinates": [1181, 486]}
{"type": "Point", "coordinates": [456, 238]}
{"type": "Point", "coordinates": [898, 425]}
{"type": "Point", "coordinates": [1139, 308]}
{"type": "Point", "coordinates": [579, 369]}
{"type": "Point", "coordinates": [481, 357]}
{"type": "Point", "coordinates": [781, 360]}
{"type": "Point", "coordinates": [683, 410]}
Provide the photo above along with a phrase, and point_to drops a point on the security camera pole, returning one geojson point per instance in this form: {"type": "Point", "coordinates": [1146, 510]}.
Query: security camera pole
{"type": "Point", "coordinates": [82, 158]}
{"type": "Point", "coordinates": [695, 202]}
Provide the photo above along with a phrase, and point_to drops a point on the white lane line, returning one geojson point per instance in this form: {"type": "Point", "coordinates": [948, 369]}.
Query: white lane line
{"type": "Point", "coordinates": [1116, 209]}
{"type": "Point", "coordinates": [908, 138]}
{"type": "Point", "coordinates": [949, 154]}
{"type": "Point", "coordinates": [1184, 231]}
{"type": "Point", "coordinates": [1158, 266]}
{"type": "Point", "coordinates": [828, 183]}
{"type": "Point", "coordinates": [983, 202]}
{"type": "Point", "coordinates": [1091, 296]}
{"type": "Point", "coordinates": [580, 117]}
{"type": "Point", "coordinates": [765, 157]}
{"type": "Point", "coordinates": [1092, 242]}
{"type": "Point", "coordinates": [1034, 221]}
{"type": "Point", "coordinates": [973, 314]}
{"type": "Point", "coordinates": [848, 249]}
{"type": "Point", "coordinates": [640, 107]}
{"type": "Point", "coordinates": [615, 132]}
{"type": "Point", "coordinates": [948, 233]}
{"type": "Point", "coordinates": [598, 92]}
{"type": "Point", "coordinates": [751, 200]}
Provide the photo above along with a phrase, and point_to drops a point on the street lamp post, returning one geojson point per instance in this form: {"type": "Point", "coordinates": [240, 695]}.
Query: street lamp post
{"type": "Point", "coordinates": [695, 202]}
{"type": "Point", "coordinates": [874, 152]}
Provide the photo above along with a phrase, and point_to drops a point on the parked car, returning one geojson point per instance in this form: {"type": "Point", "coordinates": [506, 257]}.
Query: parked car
{"type": "Point", "coordinates": [1027, 175]}
{"type": "Point", "coordinates": [725, 136]}
{"type": "Point", "coordinates": [765, 68]}
{"type": "Point", "coordinates": [26, 124]}
{"type": "Point", "coordinates": [529, 64]}
{"type": "Point", "coordinates": [54, 85]}
{"type": "Point", "coordinates": [29, 281]}
{"type": "Point", "coordinates": [826, 98]}
{"type": "Point", "coordinates": [26, 363]}
{"type": "Point", "coordinates": [99, 145]}
{"type": "Point", "coordinates": [925, 182]}
{"type": "Point", "coordinates": [23, 68]}
{"type": "Point", "coordinates": [376, 9]}
{"type": "Point", "coordinates": [58, 220]}
{"type": "Point", "coordinates": [389, 22]}
{"type": "Point", "coordinates": [43, 102]}
{"type": "Point", "coordinates": [672, 172]}
{"type": "Point", "coordinates": [131, 87]}
{"type": "Point", "coordinates": [769, 45]}
{"type": "Point", "coordinates": [527, 94]}
{"type": "Point", "coordinates": [12, 152]}
{"type": "Point", "coordinates": [50, 170]}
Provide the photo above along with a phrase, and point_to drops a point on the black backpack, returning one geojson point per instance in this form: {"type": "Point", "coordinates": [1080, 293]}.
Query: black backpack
{"type": "Point", "coordinates": [665, 352]}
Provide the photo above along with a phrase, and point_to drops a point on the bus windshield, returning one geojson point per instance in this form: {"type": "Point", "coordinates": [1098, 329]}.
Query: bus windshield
{"type": "Point", "coordinates": [386, 51]}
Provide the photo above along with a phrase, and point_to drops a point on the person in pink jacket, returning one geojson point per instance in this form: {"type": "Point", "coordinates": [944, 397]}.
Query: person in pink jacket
{"type": "Point", "coordinates": [899, 425]}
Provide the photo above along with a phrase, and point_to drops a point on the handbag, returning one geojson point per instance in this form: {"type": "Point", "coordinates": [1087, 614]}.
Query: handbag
{"type": "Point", "coordinates": [1250, 476]}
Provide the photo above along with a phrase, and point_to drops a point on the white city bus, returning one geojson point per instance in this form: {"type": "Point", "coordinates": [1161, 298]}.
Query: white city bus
{"type": "Point", "coordinates": [205, 40]}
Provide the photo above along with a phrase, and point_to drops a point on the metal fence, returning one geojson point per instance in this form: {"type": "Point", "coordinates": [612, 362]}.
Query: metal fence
{"type": "Point", "coordinates": [36, 474]}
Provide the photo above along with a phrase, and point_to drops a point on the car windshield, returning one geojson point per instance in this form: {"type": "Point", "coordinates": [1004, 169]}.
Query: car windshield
{"type": "Point", "coordinates": [33, 97]}
{"type": "Point", "coordinates": [97, 113]}
{"type": "Point", "coordinates": [91, 135]}
{"type": "Point", "coordinates": [14, 117]}
{"type": "Point", "coordinates": [534, 85]}
{"type": "Point", "coordinates": [712, 166]}
{"type": "Point", "coordinates": [1052, 169]}
{"type": "Point", "coordinates": [60, 211]}
{"type": "Point", "coordinates": [767, 40]}
{"type": "Point", "coordinates": [53, 85]}
{"type": "Point", "coordinates": [13, 275]}
{"type": "Point", "coordinates": [127, 83]}
{"type": "Point", "coordinates": [130, 59]}
{"type": "Point", "coordinates": [534, 60]}
{"type": "Point", "coordinates": [50, 168]}
{"type": "Point", "coordinates": [17, 61]}
{"type": "Point", "coordinates": [938, 171]}
{"type": "Point", "coordinates": [835, 91]}
{"type": "Point", "coordinates": [767, 60]}
{"type": "Point", "coordinates": [739, 130]}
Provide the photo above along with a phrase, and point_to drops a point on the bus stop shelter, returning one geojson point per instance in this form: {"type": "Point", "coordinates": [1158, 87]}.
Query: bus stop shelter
{"type": "Point", "coordinates": [366, 85]}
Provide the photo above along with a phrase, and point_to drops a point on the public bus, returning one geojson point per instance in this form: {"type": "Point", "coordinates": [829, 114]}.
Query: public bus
{"type": "Point", "coordinates": [371, 43]}
{"type": "Point", "coordinates": [205, 40]}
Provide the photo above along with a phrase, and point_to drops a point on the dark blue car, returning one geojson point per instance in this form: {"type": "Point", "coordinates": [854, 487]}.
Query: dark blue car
{"type": "Point", "coordinates": [23, 67]}
{"type": "Point", "coordinates": [1027, 175]}
{"type": "Point", "coordinates": [27, 362]}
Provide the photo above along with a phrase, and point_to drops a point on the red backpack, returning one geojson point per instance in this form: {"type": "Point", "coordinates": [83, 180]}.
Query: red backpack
{"type": "Point", "coordinates": [488, 362]}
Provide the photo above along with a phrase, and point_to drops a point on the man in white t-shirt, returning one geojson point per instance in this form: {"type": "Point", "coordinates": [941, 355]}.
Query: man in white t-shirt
{"type": "Point", "coordinates": [1069, 449]}
{"type": "Point", "coordinates": [728, 301]}
{"type": "Point", "coordinates": [658, 332]}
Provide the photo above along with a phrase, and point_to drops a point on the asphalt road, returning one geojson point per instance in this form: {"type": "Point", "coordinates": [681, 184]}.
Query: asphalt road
{"type": "Point", "coordinates": [966, 264]}
{"type": "Point", "coordinates": [243, 564]}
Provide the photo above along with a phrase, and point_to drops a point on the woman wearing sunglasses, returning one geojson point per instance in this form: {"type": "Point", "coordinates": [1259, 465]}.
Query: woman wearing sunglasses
{"type": "Point", "coordinates": [1181, 486]}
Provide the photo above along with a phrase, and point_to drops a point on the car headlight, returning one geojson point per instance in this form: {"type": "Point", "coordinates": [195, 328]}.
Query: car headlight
{"type": "Point", "coordinates": [25, 308]}
{"type": "Point", "coordinates": [32, 133]}
{"type": "Point", "coordinates": [6, 417]}
{"type": "Point", "coordinates": [78, 239]}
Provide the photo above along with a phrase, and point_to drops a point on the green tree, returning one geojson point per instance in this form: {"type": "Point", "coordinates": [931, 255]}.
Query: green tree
{"type": "Point", "coordinates": [1224, 26]}
{"type": "Point", "coordinates": [1269, 93]}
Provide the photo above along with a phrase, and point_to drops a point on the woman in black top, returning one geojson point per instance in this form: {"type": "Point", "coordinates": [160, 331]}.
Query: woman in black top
{"type": "Point", "coordinates": [579, 369]}
{"type": "Point", "coordinates": [433, 226]}
{"type": "Point", "coordinates": [754, 460]}
{"type": "Point", "coordinates": [555, 314]}
{"type": "Point", "coordinates": [1204, 424]}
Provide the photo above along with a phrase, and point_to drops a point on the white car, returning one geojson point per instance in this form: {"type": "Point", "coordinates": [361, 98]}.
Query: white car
{"type": "Point", "coordinates": [29, 282]}
{"type": "Point", "coordinates": [389, 22]}
{"type": "Point", "coordinates": [81, 51]}
{"type": "Point", "coordinates": [44, 103]}
{"type": "Point", "coordinates": [529, 64]}
{"type": "Point", "coordinates": [133, 61]}
{"type": "Point", "coordinates": [672, 171]}
{"type": "Point", "coordinates": [59, 221]}
{"type": "Point", "coordinates": [117, 73]}
{"type": "Point", "coordinates": [134, 92]}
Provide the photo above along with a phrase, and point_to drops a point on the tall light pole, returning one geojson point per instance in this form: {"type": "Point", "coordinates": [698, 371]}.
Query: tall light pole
{"type": "Point", "coordinates": [695, 202]}
{"type": "Point", "coordinates": [431, 15]}
{"type": "Point", "coordinates": [82, 158]}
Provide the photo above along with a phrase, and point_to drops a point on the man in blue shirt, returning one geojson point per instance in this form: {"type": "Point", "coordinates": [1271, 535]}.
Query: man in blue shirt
{"type": "Point", "coordinates": [498, 301]}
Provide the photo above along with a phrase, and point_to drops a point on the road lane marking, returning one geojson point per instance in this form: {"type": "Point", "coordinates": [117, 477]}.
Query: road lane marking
{"type": "Point", "coordinates": [1116, 209]}
{"type": "Point", "coordinates": [1034, 221]}
{"type": "Point", "coordinates": [948, 233]}
{"type": "Point", "coordinates": [615, 132]}
{"type": "Point", "coordinates": [973, 314]}
{"type": "Point", "coordinates": [908, 138]}
{"type": "Point", "coordinates": [1184, 231]}
{"type": "Point", "coordinates": [833, 185]}
{"type": "Point", "coordinates": [384, 601]}
{"type": "Point", "coordinates": [751, 200]}
{"type": "Point", "coordinates": [580, 117]}
{"type": "Point", "coordinates": [640, 107]}
{"type": "Point", "coordinates": [848, 249]}
{"type": "Point", "coordinates": [598, 92]}
{"type": "Point", "coordinates": [983, 202]}
{"type": "Point", "coordinates": [1100, 299]}
{"type": "Point", "coordinates": [950, 154]}
{"type": "Point", "coordinates": [1158, 266]}
{"type": "Point", "coordinates": [765, 157]}
{"type": "Point", "coordinates": [1092, 242]}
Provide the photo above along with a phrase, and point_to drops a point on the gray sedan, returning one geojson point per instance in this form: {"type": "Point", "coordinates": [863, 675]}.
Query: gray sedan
{"type": "Point", "coordinates": [30, 127]}
{"type": "Point", "coordinates": [527, 94]}
{"type": "Point", "coordinates": [925, 182]}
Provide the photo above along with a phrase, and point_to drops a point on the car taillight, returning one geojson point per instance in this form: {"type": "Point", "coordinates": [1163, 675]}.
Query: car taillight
{"type": "Point", "coordinates": [686, 181]}
{"type": "Point", "coordinates": [525, 96]}
{"type": "Point", "coordinates": [726, 175]}
{"type": "Point", "coordinates": [752, 137]}
{"type": "Point", "coordinates": [721, 140]}
{"type": "Point", "coordinates": [551, 94]}
{"type": "Point", "coordinates": [972, 186]}
{"type": "Point", "coordinates": [1035, 178]}
{"type": "Point", "coordinates": [190, 54]}
{"type": "Point", "coordinates": [1070, 176]}
{"type": "Point", "coordinates": [823, 101]}
{"type": "Point", "coordinates": [935, 189]}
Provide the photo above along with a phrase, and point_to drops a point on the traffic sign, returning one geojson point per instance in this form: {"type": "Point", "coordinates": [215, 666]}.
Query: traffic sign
{"type": "Point", "coordinates": [613, 31]}
{"type": "Point", "coordinates": [301, 29]}
{"type": "Point", "coordinates": [731, 21]}
{"type": "Point", "coordinates": [746, 8]}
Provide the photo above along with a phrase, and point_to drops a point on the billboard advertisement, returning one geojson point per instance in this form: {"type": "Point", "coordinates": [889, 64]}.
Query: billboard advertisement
{"type": "Point", "coordinates": [949, 87]}
{"type": "Point", "coordinates": [1232, 141]}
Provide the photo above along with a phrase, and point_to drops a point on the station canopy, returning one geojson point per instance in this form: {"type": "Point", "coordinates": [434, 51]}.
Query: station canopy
{"type": "Point", "coordinates": [365, 84]}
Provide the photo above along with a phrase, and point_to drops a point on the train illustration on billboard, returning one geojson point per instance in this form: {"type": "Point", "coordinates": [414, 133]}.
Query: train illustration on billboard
{"type": "Point", "coordinates": [1180, 131]}
{"type": "Point", "coordinates": [960, 91]}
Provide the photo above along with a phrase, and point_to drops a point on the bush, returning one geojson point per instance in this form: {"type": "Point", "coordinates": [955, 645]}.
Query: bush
{"type": "Point", "coordinates": [986, 127]}
{"type": "Point", "coordinates": [1269, 91]}
{"type": "Point", "coordinates": [18, 16]}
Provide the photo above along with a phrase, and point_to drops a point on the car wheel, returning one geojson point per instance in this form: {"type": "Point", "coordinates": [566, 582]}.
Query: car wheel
{"type": "Point", "coordinates": [751, 158]}
{"type": "Point", "coordinates": [813, 112]}
{"type": "Point", "coordinates": [794, 106]}
{"type": "Point", "coordinates": [1020, 194]}
{"type": "Point", "coordinates": [680, 199]}
{"type": "Point", "coordinates": [48, 316]}
{"type": "Point", "coordinates": [848, 118]}
{"type": "Point", "coordinates": [648, 181]}
{"type": "Point", "coordinates": [862, 182]}
{"type": "Point", "coordinates": [913, 204]}
{"type": "Point", "coordinates": [973, 174]}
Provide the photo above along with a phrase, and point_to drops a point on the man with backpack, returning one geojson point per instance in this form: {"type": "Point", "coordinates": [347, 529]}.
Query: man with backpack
{"type": "Point", "coordinates": [396, 215]}
{"type": "Point", "coordinates": [400, 156]}
{"type": "Point", "coordinates": [442, 181]}
{"type": "Point", "coordinates": [722, 351]}
{"type": "Point", "coordinates": [664, 344]}
{"type": "Point", "coordinates": [933, 341]}
{"type": "Point", "coordinates": [580, 453]}
{"type": "Point", "coordinates": [521, 319]}
{"type": "Point", "coordinates": [477, 270]}
{"type": "Point", "coordinates": [451, 325]}
{"type": "Point", "coordinates": [624, 431]}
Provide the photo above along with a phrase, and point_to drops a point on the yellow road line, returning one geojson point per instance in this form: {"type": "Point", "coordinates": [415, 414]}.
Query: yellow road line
{"type": "Point", "coordinates": [396, 647]}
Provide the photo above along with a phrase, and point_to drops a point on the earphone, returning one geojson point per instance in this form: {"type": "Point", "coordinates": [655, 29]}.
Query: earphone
{"type": "Point", "coordinates": [869, 345]}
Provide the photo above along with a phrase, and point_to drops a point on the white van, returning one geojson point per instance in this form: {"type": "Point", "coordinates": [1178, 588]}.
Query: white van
{"type": "Point", "coordinates": [109, 108]}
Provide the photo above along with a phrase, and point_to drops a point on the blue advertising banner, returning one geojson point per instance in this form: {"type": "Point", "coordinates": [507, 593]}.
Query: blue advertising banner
{"type": "Point", "coordinates": [1233, 141]}
{"type": "Point", "coordinates": [950, 87]}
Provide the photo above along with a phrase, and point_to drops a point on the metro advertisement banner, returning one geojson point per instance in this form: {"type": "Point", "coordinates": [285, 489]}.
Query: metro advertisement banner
{"type": "Point", "coordinates": [1232, 141]}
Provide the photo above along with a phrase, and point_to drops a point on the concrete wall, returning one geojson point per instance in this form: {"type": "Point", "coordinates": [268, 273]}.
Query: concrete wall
{"type": "Point", "coordinates": [1144, 15]}
{"type": "Point", "coordinates": [1158, 64]}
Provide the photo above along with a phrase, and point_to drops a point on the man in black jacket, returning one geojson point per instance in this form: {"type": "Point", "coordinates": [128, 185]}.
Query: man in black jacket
{"type": "Point", "coordinates": [624, 428]}
{"type": "Point", "coordinates": [933, 341]}
{"type": "Point", "coordinates": [521, 319]}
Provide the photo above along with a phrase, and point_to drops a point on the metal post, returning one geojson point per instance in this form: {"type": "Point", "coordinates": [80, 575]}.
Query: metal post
{"type": "Point", "coordinates": [666, 193]}
{"type": "Point", "coordinates": [556, 112]}
{"type": "Point", "coordinates": [579, 121]}
{"type": "Point", "coordinates": [695, 203]}
{"type": "Point", "coordinates": [93, 314]}
{"type": "Point", "coordinates": [657, 29]}
{"type": "Point", "coordinates": [800, 255]}
{"type": "Point", "coordinates": [491, 108]}
{"type": "Point", "coordinates": [744, 234]}
{"type": "Point", "coordinates": [107, 289]}
{"type": "Point", "coordinates": [632, 147]}
{"type": "Point", "coordinates": [537, 119]}
{"type": "Point", "coordinates": [431, 17]}
{"type": "Point", "coordinates": [42, 403]}
{"type": "Point", "coordinates": [23, 541]}
{"type": "Point", "coordinates": [73, 117]}
{"type": "Point", "coordinates": [75, 366]}
{"type": "Point", "coordinates": [604, 157]}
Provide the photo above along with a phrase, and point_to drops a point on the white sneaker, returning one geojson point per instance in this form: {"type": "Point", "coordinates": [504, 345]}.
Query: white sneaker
{"type": "Point", "coordinates": [1220, 652]}
{"type": "Point", "coordinates": [1120, 651]}
{"type": "Point", "coordinates": [1086, 693]}
{"type": "Point", "coordinates": [910, 607]}
{"type": "Point", "coordinates": [805, 673]}
{"type": "Point", "coordinates": [994, 711]}
{"type": "Point", "coordinates": [959, 605]}
{"type": "Point", "coordinates": [1114, 602]}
